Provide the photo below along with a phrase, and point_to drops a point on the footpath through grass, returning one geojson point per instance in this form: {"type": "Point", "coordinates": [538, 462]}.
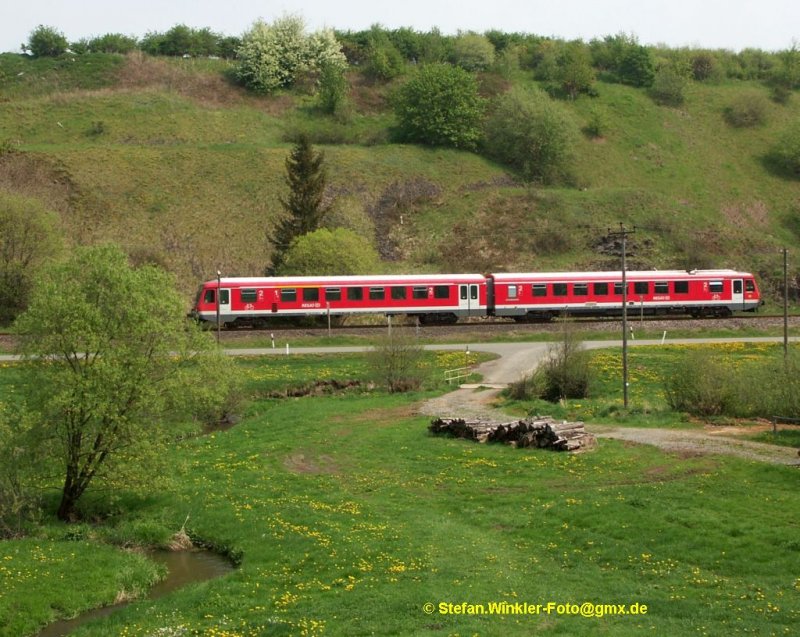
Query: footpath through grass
{"type": "Point", "coordinates": [349, 519]}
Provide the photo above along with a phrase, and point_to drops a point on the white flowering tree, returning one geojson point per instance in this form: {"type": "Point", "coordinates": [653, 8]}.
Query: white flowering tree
{"type": "Point", "coordinates": [275, 55]}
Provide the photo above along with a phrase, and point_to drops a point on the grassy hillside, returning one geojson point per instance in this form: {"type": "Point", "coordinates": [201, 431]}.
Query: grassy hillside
{"type": "Point", "coordinates": [171, 160]}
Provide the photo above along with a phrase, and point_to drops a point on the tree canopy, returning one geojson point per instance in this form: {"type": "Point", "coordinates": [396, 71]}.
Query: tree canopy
{"type": "Point", "coordinates": [440, 106]}
{"type": "Point", "coordinates": [111, 363]}
{"type": "Point", "coordinates": [330, 253]}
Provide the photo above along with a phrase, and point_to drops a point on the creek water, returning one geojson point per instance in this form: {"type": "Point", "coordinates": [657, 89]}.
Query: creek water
{"type": "Point", "coordinates": [184, 567]}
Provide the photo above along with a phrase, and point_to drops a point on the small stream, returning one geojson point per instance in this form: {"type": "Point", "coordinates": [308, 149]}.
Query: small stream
{"type": "Point", "coordinates": [184, 567]}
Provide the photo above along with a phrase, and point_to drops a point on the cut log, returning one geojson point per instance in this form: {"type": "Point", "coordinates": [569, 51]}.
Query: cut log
{"type": "Point", "coordinates": [540, 432]}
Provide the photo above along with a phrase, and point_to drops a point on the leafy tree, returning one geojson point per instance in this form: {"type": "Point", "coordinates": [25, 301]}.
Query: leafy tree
{"type": "Point", "coordinates": [29, 236]}
{"type": "Point", "coordinates": [440, 106]}
{"type": "Point", "coordinates": [383, 60]}
{"type": "Point", "coordinates": [636, 67]}
{"type": "Point", "coordinates": [306, 178]}
{"type": "Point", "coordinates": [330, 252]}
{"type": "Point", "coordinates": [785, 77]}
{"type": "Point", "coordinates": [472, 52]}
{"type": "Point", "coordinates": [275, 55]}
{"type": "Point", "coordinates": [46, 42]}
{"type": "Point", "coordinates": [332, 93]}
{"type": "Point", "coordinates": [111, 363]}
{"type": "Point", "coordinates": [575, 73]}
{"type": "Point", "coordinates": [534, 134]}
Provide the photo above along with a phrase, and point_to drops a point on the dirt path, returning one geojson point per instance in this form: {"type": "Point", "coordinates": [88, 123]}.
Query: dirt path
{"type": "Point", "coordinates": [517, 359]}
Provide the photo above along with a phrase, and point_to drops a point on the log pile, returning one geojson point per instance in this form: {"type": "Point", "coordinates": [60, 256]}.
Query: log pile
{"type": "Point", "coordinates": [541, 432]}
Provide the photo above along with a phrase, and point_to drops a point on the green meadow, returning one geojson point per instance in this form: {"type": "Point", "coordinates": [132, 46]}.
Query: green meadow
{"type": "Point", "coordinates": [345, 517]}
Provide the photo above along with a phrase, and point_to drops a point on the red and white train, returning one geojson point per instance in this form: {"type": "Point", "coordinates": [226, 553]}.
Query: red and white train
{"type": "Point", "coordinates": [444, 298]}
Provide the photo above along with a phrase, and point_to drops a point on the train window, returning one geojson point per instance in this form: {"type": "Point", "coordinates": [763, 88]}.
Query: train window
{"type": "Point", "coordinates": [540, 289]}
{"type": "Point", "coordinates": [559, 289]}
{"type": "Point", "coordinates": [333, 294]}
{"type": "Point", "coordinates": [288, 295]}
{"type": "Point", "coordinates": [618, 288]}
{"type": "Point", "coordinates": [749, 286]}
{"type": "Point", "coordinates": [601, 289]}
{"type": "Point", "coordinates": [661, 287]}
{"type": "Point", "coordinates": [681, 287]}
{"type": "Point", "coordinates": [463, 292]}
{"type": "Point", "coordinates": [580, 289]}
{"type": "Point", "coordinates": [473, 292]}
{"type": "Point", "coordinates": [512, 291]}
{"type": "Point", "coordinates": [355, 294]}
{"type": "Point", "coordinates": [398, 293]}
{"type": "Point", "coordinates": [641, 287]}
{"type": "Point", "coordinates": [248, 296]}
{"type": "Point", "coordinates": [209, 296]}
{"type": "Point", "coordinates": [441, 292]}
{"type": "Point", "coordinates": [715, 287]}
{"type": "Point", "coordinates": [311, 294]}
{"type": "Point", "coordinates": [377, 294]}
{"type": "Point", "coordinates": [737, 286]}
{"type": "Point", "coordinates": [419, 292]}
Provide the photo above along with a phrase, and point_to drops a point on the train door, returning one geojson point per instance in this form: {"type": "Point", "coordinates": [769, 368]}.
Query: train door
{"type": "Point", "coordinates": [737, 296]}
{"type": "Point", "coordinates": [224, 303]}
{"type": "Point", "coordinates": [468, 299]}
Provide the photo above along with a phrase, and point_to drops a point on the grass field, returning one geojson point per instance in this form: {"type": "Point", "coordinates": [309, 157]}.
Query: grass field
{"type": "Point", "coordinates": [347, 518]}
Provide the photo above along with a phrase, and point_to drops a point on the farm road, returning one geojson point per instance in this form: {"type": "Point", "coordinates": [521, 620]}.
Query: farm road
{"type": "Point", "coordinates": [518, 359]}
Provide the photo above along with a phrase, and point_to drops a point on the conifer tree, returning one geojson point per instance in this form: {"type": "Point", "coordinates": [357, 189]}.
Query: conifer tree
{"type": "Point", "coordinates": [306, 178]}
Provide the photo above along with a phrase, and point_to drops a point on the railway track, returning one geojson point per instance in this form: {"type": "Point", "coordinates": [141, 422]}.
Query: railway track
{"type": "Point", "coordinates": [501, 326]}
{"type": "Point", "coordinates": [511, 328]}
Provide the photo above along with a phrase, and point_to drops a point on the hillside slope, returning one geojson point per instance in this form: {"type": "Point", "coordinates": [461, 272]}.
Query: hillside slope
{"type": "Point", "coordinates": [182, 168]}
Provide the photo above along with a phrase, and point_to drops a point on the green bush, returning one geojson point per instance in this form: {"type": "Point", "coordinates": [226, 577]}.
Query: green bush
{"type": "Point", "coordinates": [534, 134]}
{"type": "Point", "coordinates": [112, 43]}
{"type": "Point", "coordinates": [746, 110]}
{"type": "Point", "coordinates": [669, 84]}
{"type": "Point", "coordinates": [785, 154]}
{"type": "Point", "coordinates": [440, 106]}
{"type": "Point", "coordinates": [702, 385]}
{"type": "Point", "coordinates": [329, 253]}
{"type": "Point", "coordinates": [46, 42]}
{"type": "Point", "coordinates": [597, 124]}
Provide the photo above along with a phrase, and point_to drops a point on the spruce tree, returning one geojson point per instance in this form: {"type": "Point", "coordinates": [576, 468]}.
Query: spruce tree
{"type": "Point", "coordinates": [306, 178]}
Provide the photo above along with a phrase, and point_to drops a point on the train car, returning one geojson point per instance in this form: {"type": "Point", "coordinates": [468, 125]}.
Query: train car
{"type": "Point", "coordinates": [255, 301]}
{"type": "Point", "coordinates": [543, 296]}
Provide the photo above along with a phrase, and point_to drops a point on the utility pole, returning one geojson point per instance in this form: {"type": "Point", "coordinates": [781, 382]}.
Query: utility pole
{"type": "Point", "coordinates": [785, 303]}
{"type": "Point", "coordinates": [623, 233]}
{"type": "Point", "coordinates": [219, 292]}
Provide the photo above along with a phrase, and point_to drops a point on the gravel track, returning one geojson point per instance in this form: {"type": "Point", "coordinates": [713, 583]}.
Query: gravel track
{"type": "Point", "coordinates": [479, 402]}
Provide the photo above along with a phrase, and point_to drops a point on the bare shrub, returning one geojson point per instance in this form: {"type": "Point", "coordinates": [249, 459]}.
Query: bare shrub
{"type": "Point", "coordinates": [747, 110]}
{"type": "Point", "coordinates": [396, 362]}
{"type": "Point", "coordinates": [565, 372]}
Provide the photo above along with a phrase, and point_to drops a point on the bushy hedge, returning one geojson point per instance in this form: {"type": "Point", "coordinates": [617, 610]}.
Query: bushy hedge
{"type": "Point", "coordinates": [704, 384]}
{"type": "Point", "coordinates": [534, 134]}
